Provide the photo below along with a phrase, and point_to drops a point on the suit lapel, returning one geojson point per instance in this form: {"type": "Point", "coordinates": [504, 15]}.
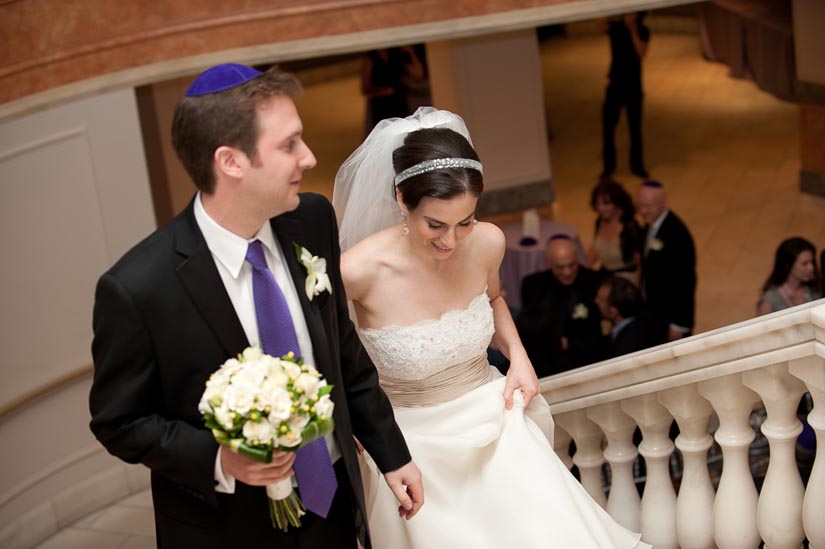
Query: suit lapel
{"type": "Point", "coordinates": [289, 230]}
{"type": "Point", "coordinates": [202, 281]}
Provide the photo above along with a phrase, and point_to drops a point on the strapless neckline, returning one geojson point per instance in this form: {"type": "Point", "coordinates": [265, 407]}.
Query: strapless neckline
{"type": "Point", "coordinates": [419, 350]}
{"type": "Point", "coordinates": [427, 321]}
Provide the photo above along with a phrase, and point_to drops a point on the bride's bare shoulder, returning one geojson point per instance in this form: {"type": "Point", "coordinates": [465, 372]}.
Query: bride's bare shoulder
{"type": "Point", "coordinates": [490, 241]}
{"type": "Point", "coordinates": [364, 262]}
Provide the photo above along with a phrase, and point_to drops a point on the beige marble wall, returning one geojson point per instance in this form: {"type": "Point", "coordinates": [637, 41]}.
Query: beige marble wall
{"type": "Point", "coordinates": [63, 48]}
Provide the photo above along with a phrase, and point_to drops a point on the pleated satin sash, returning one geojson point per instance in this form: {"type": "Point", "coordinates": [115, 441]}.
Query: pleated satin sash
{"type": "Point", "coordinates": [443, 386]}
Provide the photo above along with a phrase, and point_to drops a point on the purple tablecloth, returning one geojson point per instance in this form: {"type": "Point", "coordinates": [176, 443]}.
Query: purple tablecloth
{"type": "Point", "coordinates": [521, 260]}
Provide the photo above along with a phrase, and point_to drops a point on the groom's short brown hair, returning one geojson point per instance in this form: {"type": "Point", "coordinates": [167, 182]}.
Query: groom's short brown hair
{"type": "Point", "coordinates": [203, 123]}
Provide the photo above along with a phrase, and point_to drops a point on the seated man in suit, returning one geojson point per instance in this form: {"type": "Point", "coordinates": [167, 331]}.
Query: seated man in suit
{"type": "Point", "coordinates": [620, 304]}
{"type": "Point", "coordinates": [221, 276]}
{"type": "Point", "coordinates": [559, 323]}
{"type": "Point", "coordinates": [668, 267]}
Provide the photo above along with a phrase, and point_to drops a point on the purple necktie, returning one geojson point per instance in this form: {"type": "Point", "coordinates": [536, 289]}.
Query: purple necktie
{"type": "Point", "coordinates": [313, 468]}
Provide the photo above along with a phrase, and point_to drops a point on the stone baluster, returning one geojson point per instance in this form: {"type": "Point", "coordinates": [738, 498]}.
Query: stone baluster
{"type": "Point", "coordinates": [623, 501]}
{"type": "Point", "coordinates": [561, 445]}
{"type": "Point", "coordinates": [734, 509]}
{"type": "Point", "coordinates": [779, 513]}
{"type": "Point", "coordinates": [811, 370]}
{"type": "Point", "coordinates": [658, 509]}
{"type": "Point", "coordinates": [694, 505]}
{"type": "Point", "coordinates": [588, 457]}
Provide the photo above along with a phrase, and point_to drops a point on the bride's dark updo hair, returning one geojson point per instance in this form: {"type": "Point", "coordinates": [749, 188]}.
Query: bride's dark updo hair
{"type": "Point", "coordinates": [444, 183]}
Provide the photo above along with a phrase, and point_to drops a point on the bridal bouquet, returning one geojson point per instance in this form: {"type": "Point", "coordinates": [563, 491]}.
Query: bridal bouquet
{"type": "Point", "coordinates": [258, 403]}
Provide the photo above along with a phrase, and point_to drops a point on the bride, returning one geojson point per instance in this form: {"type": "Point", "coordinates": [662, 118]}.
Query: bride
{"type": "Point", "coordinates": [422, 274]}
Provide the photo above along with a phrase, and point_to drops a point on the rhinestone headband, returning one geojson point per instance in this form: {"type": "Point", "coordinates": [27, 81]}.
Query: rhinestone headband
{"type": "Point", "coordinates": [437, 164]}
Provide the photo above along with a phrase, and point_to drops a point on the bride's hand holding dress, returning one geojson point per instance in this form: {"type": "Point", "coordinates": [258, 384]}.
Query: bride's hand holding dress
{"type": "Point", "coordinates": [521, 374]}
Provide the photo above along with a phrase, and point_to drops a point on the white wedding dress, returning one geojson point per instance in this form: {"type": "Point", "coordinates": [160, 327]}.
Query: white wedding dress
{"type": "Point", "coordinates": [491, 477]}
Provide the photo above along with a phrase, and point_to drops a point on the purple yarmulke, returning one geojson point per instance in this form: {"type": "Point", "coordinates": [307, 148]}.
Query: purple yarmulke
{"type": "Point", "coordinates": [220, 78]}
{"type": "Point", "coordinates": [652, 183]}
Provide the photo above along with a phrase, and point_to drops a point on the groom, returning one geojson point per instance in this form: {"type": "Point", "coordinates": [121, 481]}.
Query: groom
{"type": "Point", "coordinates": [181, 302]}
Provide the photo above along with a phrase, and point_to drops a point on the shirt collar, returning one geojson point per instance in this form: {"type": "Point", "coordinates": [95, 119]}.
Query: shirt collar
{"type": "Point", "coordinates": [654, 227]}
{"type": "Point", "coordinates": [614, 332]}
{"type": "Point", "coordinates": [226, 246]}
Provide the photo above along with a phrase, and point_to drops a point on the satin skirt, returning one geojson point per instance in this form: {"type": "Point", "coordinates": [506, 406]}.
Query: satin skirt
{"type": "Point", "coordinates": [491, 480]}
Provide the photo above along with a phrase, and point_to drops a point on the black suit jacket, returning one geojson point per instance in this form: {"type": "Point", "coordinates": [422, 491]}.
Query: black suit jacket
{"type": "Point", "coordinates": [669, 278]}
{"type": "Point", "coordinates": [631, 338]}
{"type": "Point", "coordinates": [549, 312]}
{"type": "Point", "coordinates": [163, 322]}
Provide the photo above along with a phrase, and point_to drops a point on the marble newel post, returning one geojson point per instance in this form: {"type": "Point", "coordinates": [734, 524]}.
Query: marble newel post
{"type": "Point", "coordinates": [494, 82]}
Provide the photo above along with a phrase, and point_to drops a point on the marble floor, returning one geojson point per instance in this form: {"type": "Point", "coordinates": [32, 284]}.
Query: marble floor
{"type": "Point", "coordinates": [726, 151]}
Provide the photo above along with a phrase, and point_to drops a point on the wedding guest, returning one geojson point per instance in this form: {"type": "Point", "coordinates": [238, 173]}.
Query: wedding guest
{"type": "Point", "coordinates": [559, 322]}
{"type": "Point", "coordinates": [182, 302]}
{"type": "Point", "coordinates": [618, 239]}
{"type": "Point", "coordinates": [668, 266]}
{"type": "Point", "coordinates": [629, 40]}
{"type": "Point", "coordinates": [620, 304]}
{"type": "Point", "coordinates": [392, 79]}
{"type": "Point", "coordinates": [794, 279]}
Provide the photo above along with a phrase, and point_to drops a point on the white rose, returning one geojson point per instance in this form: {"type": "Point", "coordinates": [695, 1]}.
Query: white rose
{"type": "Point", "coordinates": [291, 369]}
{"type": "Point", "coordinates": [262, 431]}
{"type": "Point", "coordinates": [290, 440]}
{"type": "Point", "coordinates": [251, 354]}
{"type": "Point", "coordinates": [307, 382]}
{"type": "Point", "coordinates": [230, 366]}
{"type": "Point", "coordinates": [298, 422]}
{"type": "Point", "coordinates": [203, 406]}
{"type": "Point", "coordinates": [280, 406]}
{"type": "Point", "coordinates": [250, 377]}
{"type": "Point", "coordinates": [214, 392]}
{"type": "Point", "coordinates": [324, 406]}
{"type": "Point", "coordinates": [224, 416]}
{"type": "Point", "coordinates": [239, 398]}
{"type": "Point", "coordinates": [278, 378]}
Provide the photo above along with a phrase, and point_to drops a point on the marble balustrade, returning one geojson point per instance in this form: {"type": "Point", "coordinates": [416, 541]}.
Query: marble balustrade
{"type": "Point", "coordinates": [709, 384]}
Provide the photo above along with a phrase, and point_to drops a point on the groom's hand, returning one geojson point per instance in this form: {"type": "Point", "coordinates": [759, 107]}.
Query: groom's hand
{"type": "Point", "coordinates": [405, 483]}
{"type": "Point", "coordinates": [254, 473]}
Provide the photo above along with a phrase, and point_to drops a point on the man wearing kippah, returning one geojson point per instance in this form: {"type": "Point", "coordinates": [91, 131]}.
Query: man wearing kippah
{"type": "Point", "coordinates": [179, 304]}
{"type": "Point", "coordinates": [559, 323]}
{"type": "Point", "coordinates": [668, 267]}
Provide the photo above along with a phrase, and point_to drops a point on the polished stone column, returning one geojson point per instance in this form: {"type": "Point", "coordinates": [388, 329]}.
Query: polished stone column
{"type": "Point", "coordinates": [494, 82]}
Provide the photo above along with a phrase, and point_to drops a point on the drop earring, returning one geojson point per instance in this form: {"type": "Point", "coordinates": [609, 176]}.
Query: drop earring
{"type": "Point", "coordinates": [406, 230]}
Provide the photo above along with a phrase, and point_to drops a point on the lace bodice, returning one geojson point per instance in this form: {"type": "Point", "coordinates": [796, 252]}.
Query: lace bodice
{"type": "Point", "coordinates": [427, 347]}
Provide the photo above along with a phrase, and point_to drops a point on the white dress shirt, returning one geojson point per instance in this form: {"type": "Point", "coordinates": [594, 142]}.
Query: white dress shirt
{"type": "Point", "coordinates": [229, 252]}
{"type": "Point", "coordinates": [653, 230]}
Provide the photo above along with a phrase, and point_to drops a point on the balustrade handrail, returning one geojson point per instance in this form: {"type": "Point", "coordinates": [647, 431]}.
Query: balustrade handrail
{"type": "Point", "coordinates": [794, 333]}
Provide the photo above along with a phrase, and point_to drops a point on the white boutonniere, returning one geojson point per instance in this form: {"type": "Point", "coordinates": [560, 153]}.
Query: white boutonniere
{"type": "Point", "coordinates": [656, 245]}
{"type": "Point", "coordinates": [317, 278]}
{"type": "Point", "coordinates": [580, 311]}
